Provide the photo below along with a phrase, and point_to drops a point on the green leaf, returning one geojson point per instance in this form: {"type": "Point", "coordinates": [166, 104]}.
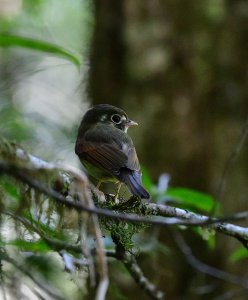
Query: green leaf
{"type": "Point", "coordinates": [240, 253]}
{"type": "Point", "coordinates": [208, 235]}
{"type": "Point", "coordinates": [49, 231]}
{"type": "Point", "coordinates": [30, 246]}
{"type": "Point", "coordinates": [37, 45]}
{"type": "Point", "coordinates": [191, 198]}
{"type": "Point", "coordinates": [11, 192]}
{"type": "Point", "coordinates": [44, 264]}
{"type": "Point", "coordinates": [10, 189]}
{"type": "Point", "coordinates": [146, 180]}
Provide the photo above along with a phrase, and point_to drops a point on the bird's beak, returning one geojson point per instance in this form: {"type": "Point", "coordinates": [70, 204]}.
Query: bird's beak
{"type": "Point", "coordinates": [130, 123]}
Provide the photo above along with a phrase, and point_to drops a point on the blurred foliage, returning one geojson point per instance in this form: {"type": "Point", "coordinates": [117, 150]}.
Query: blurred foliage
{"type": "Point", "coordinates": [29, 66]}
{"type": "Point", "coordinates": [190, 199]}
{"type": "Point", "coordinates": [179, 69]}
{"type": "Point", "coordinates": [239, 254]}
{"type": "Point", "coordinates": [29, 246]}
{"type": "Point", "coordinates": [37, 45]}
{"type": "Point", "coordinates": [33, 229]}
{"type": "Point", "coordinates": [35, 85]}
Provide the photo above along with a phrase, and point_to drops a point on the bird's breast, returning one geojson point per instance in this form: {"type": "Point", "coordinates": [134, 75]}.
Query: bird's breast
{"type": "Point", "coordinates": [97, 173]}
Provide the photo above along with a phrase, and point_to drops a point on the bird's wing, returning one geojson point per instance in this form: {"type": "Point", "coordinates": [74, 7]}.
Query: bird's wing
{"type": "Point", "coordinates": [108, 148]}
{"type": "Point", "coordinates": [106, 156]}
{"type": "Point", "coordinates": [120, 160]}
{"type": "Point", "coordinates": [133, 162]}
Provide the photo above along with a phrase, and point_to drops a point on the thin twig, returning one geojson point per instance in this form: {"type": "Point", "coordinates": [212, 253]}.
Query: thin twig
{"type": "Point", "coordinates": [80, 188]}
{"type": "Point", "coordinates": [50, 291]}
{"type": "Point", "coordinates": [56, 245]}
{"type": "Point", "coordinates": [133, 268]}
{"type": "Point", "coordinates": [230, 162]}
{"type": "Point", "coordinates": [178, 216]}
{"type": "Point", "coordinates": [84, 196]}
{"type": "Point", "coordinates": [204, 268]}
{"type": "Point", "coordinates": [234, 294]}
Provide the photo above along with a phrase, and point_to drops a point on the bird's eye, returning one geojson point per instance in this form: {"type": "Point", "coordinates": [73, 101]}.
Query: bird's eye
{"type": "Point", "coordinates": [116, 118]}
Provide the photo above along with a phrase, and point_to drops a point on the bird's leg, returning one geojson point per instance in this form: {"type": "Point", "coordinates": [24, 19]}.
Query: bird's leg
{"type": "Point", "coordinates": [100, 194]}
{"type": "Point", "coordinates": [117, 192]}
{"type": "Point", "coordinates": [99, 184]}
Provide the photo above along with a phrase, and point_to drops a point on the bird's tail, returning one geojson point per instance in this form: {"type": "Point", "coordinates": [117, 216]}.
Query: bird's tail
{"type": "Point", "coordinates": [133, 181]}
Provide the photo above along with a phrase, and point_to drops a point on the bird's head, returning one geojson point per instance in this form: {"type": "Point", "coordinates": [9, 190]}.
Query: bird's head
{"type": "Point", "coordinates": [108, 114]}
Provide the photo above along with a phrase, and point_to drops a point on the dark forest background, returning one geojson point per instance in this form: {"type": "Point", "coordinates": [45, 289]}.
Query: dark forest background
{"type": "Point", "coordinates": [178, 68]}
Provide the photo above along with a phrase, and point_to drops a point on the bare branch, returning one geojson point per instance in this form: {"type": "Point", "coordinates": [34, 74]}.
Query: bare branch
{"type": "Point", "coordinates": [84, 197]}
{"type": "Point", "coordinates": [38, 281]}
{"type": "Point", "coordinates": [129, 261]}
{"type": "Point", "coordinates": [178, 216]}
{"type": "Point", "coordinates": [22, 175]}
{"type": "Point", "coordinates": [133, 268]}
{"type": "Point", "coordinates": [231, 160]}
{"type": "Point", "coordinates": [168, 215]}
{"type": "Point", "coordinates": [204, 268]}
{"type": "Point", "coordinates": [239, 232]}
{"type": "Point", "coordinates": [233, 294]}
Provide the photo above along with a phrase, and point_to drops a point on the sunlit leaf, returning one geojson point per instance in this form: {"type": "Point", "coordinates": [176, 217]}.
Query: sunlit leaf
{"type": "Point", "coordinates": [191, 198]}
{"type": "Point", "coordinates": [10, 189]}
{"type": "Point", "coordinates": [30, 246]}
{"type": "Point", "coordinates": [37, 45]}
{"type": "Point", "coordinates": [44, 264]}
{"type": "Point", "coordinates": [49, 231]}
{"type": "Point", "coordinates": [146, 180]}
{"type": "Point", "coordinates": [11, 192]}
{"type": "Point", "coordinates": [207, 235]}
{"type": "Point", "coordinates": [240, 253]}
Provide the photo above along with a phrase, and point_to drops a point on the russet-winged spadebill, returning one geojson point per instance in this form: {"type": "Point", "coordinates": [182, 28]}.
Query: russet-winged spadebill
{"type": "Point", "coordinates": [105, 149]}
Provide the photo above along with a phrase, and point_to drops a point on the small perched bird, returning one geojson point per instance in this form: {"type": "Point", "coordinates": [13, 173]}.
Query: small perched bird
{"type": "Point", "coordinates": [106, 151]}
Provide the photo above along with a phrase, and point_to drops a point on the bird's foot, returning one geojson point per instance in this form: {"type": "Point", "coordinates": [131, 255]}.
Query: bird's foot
{"type": "Point", "coordinates": [116, 199]}
{"type": "Point", "coordinates": [98, 194]}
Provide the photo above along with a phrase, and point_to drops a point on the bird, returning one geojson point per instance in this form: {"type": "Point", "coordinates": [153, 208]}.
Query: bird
{"type": "Point", "coordinates": [106, 151]}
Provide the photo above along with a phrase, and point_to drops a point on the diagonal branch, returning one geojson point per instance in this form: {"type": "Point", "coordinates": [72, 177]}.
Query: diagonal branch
{"type": "Point", "coordinates": [133, 268]}
{"type": "Point", "coordinates": [238, 232]}
{"type": "Point", "coordinates": [51, 291]}
{"type": "Point", "coordinates": [165, 215]}
{"type": "Point", "coordinates": [231, 160]}
{"type": "Point", "coordinates": [204, 268]}
{"type": "Point", "coordinates": [177, 216]}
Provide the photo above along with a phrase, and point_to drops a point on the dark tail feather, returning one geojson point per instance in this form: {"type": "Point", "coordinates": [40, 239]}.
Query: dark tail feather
{"type": "Point", "coordinates": [132, 180]}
